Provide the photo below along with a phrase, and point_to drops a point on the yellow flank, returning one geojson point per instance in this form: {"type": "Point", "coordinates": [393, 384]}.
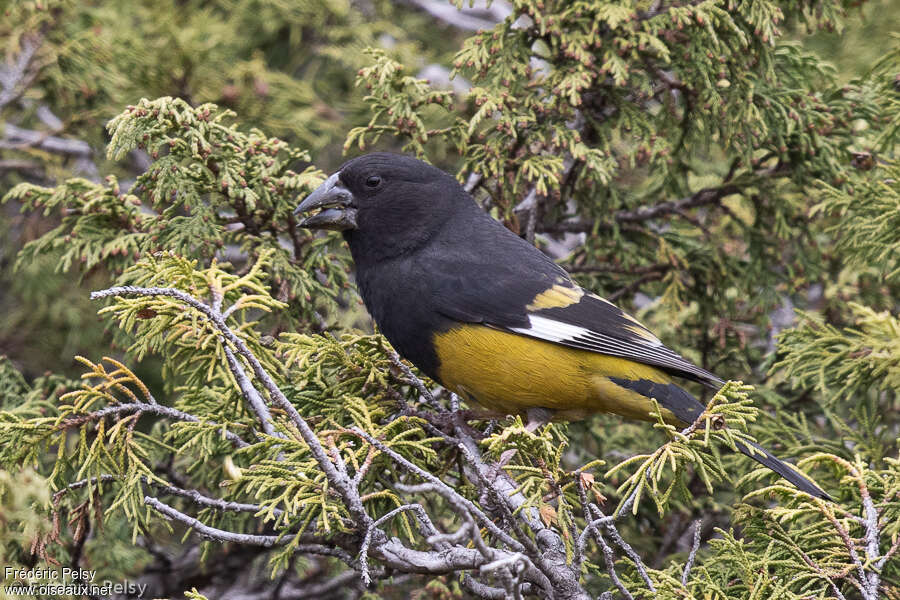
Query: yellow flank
{"type": "Point", "coordinates": [558, 296]}
{"type": "Point", "coordinates": [508, 373]}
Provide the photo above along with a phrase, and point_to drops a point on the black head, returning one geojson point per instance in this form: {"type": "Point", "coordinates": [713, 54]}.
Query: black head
{"type": "Point", "coordinates": [385, 204]}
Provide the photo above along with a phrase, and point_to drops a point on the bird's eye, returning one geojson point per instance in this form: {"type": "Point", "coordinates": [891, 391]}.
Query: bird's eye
{"type": "Point", "coordinates": [373, 181]}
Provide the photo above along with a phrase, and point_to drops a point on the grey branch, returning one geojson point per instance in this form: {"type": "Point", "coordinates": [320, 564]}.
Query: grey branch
{"type": "Point", "coordinates": [216, 503]}
{"type": "Point", "coordinates": [610, 559]}
{"type": "Point", "coordinates": [461, 509]}
{"type": "Point", "coordinates": [15, 77]}
{"type": "Point", "coordinates": [610, 527]}
{"type": "Point", "coordinates": [425, 524]}
{"type": "Point", "coordinates": [15, 138]}
{"type": "Point", "coordinates": [75, 485]}
{"type": "Point", "coordinates": [193, 495]}
{"type": "Point", "coordinates": [220, 535]}
{"type": "Point", "coordinates": [548, 553]}
{"type": "Point", "coordinates": [468, 504]}
{"type": "Point", "coordinates": [686, 573]}
{"type": "Point", "coordinates": [411, 378]}
{"type": "Point", "coordinates": [156, 409]}
{"type": "Point", "coordinates": [257, 404]}
{"type": "Point", "coordinates": [480, 16]}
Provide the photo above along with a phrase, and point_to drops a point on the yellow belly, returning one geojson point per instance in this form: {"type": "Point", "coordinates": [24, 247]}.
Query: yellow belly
{"type": "Point", "coordinates": [509, 373]}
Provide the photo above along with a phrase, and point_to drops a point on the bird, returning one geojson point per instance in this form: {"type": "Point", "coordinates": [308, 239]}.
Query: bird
{"type": "Point", "coordinates": [492, 318]}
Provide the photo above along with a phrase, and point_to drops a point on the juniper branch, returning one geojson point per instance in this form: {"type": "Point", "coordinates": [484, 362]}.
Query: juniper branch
{"type": "Point", "coordinates": [193, 495]}
{"type": "Point", "coordinates": [220, 535]}
{"type": "Point", "coordinates": [468, 504]}
{"type": "Point", "coordinates": [257, 404]}
{"type": "Point", "coordinates": [340, 481]}
{"type": "Point", "coordinates": [156, 409]}
{"type": "Point", "coordinates": [422, 518]}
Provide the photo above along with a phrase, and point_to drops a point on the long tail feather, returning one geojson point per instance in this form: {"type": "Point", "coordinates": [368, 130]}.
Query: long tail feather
{"type": "Point", "coordinates": [765, 458]}
{"type": "Point", "coordinates": [687, 408]}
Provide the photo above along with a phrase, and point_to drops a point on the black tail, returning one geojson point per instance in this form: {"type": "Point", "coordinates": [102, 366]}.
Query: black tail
{"type": "Point", "coordinates": [765, 458]}
{"type": "Point", "coordinates": [687, 408]}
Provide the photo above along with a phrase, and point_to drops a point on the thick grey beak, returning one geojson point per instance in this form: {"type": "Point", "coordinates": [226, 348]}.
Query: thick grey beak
{"type": "Point", "coordinates": [337, 203]}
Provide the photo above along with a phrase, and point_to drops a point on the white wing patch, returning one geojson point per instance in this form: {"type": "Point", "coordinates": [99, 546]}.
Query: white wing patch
{"type": "Point", "coordinates": [550, 329]}
{"type": "Point", "coordinates": [557, 331]}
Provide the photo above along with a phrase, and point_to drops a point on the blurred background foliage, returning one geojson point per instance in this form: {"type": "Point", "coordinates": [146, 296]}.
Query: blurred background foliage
{"type": "Point", "coordinates": [820, 237]}
{"type": "Point", "coordinates": [286, 67]}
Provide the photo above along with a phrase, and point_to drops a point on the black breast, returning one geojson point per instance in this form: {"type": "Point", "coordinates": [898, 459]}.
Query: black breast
{"type": "Point", "coordinates": [400, 300]}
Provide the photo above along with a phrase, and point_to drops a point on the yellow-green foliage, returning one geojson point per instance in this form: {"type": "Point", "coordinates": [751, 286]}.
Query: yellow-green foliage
{"type": "Point", "coordinates": [716, 174]}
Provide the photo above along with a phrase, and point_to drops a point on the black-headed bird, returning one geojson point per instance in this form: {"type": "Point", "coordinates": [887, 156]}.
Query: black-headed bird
{"type": "Point", "coordinates": [491, 317]}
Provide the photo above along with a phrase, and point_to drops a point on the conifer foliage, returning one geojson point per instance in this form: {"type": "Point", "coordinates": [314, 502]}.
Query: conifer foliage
{"type": "Point", "coordinates": [689, 160]}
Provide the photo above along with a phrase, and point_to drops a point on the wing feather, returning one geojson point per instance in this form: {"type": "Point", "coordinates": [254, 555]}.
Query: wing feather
{"type": "Point", "coordinates": [635, 348]}
{"type": "Point", "coordinates": [599, 326]}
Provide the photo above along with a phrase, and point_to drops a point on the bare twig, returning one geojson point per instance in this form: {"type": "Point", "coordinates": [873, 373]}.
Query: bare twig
{"type": "Point", "coordinates": [588, 530]}
{"type": "Point", "coordinates": [411, 378]}
{"type": "Point", "coordinates": [468, 504]}
{"type": "Point", "coordinates": [17, 76]}
{"type": "Point", "coordinates": [193, 495]}
{"type": "Point", "coordinates": [635, 285]}
{"type": "Point", "coordinates": [15, 138]}
{"type": "Point", "coordinates": [610, 527]}
{"type": "Point", "coordinates": [610, 560]}
{"type": "Point", "coordinates": [257, 404]}
{"type": "Point", "coordinates": [461, 509]}
{"type": "Point", "coordinates": [156, 409]}
{"type": "Point", "coordinates": [425, 524]}
{"type": "Point", "coordinates": [81, 483]}
{"type": "Point", "coordinates": [220, 535]}
{"type": "Point", "coordinates": [704, 197]}
{"type": "Point", "coordinates": [645, 213]}
{"type": "Point", "coordinates": [483, 16]}
{"type": "Point", "coordinates": [686, 573]}
{"type": "Point", "coordinates": [216, 503]}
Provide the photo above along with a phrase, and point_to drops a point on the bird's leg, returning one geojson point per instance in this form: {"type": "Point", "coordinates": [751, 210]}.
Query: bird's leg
{"type": "Point", "coordinates": [536, 416]}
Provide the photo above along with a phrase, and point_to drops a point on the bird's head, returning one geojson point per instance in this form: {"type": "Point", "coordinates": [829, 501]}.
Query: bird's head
{"type": "Point", "coordinates": [384, 203]}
